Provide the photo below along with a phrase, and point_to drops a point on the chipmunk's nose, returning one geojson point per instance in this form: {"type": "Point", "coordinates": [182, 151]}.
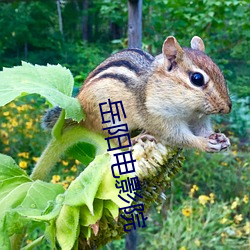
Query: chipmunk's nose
{"type": "Point", "coordinates": [227, 108]}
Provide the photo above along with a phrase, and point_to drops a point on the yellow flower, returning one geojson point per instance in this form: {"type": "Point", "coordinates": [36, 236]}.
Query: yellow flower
{"type": "Point", "coordinates": [29, 124]}
{"type": "Point", "coordinates": [238, 159]}
{"type": "Point", "coordinates": [19, 108]}
{"type": "Point", "coordinates": [223, 235]}
{"type": "Point", "coordinates": [235, 203]}
{"type": "Point", "coordinates": [6, 149]}
{"type": "Point", "coordinates": [211, 195]}
{"type": "Point", "coordinates": [225, 164]}
{"type": "Point", "coordinates": [245, 199]}
{"type": "Point", "coordinates": [223, 220]}
{"type": "Point", "coordinates": [247, 227]}
{"type": "Point", "coordinates": [182, 248]}
{"type": "Point", "coordinates": [73, 168]}
{"type": "Point", "coordinates": [234, 152]}
{"type": "Point", "coordinates": [187, 211]}
{"type": "Point", "coordinates": [193, 190]}
{"type": "Point", "coordinates": [197, 242]}
{"type": "Point", "coordinates": [65, 163]}
{"type": "Point", "coordinates": [23, 107]}
{"type": "Point", "coordinates": [6, 113]}
{"type": "Point", "coordinates": [4, 134]}
{"type": "Point", "coordinates": [70, 178]}
{"type": "Point", "coordinates": [203, 199]}
{"type": "Point", "coordinates": [65, 185]}
{"type": "Point", "coordinates": [35, 159]}
{"type": "Point", "coordinates": [238, 233]}
{"type": "Point", "coordinates": [23, 164]}
{"type": "Point", "coordinates": [24, 154]}
{"type": "Point", "coordinates": [14, 123]}
{"type": "Point", "coordinates": [77, 162]}
{"type": "Point", "coordinates": [6, 141]}
{"type": "Point", "coordinates": [55, 178]}
{"type": "Point", "coordinates": [238, 218]}
{"type": "Point", "coordinates": [12, 105]}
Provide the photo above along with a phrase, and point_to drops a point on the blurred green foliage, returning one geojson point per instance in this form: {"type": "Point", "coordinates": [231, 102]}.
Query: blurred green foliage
{"type": "Point", "coordinates": [30, 32]}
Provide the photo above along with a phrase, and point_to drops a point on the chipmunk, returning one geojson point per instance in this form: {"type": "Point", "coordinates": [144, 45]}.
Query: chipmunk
{"type": "Point", "coordinates": [169, 97]}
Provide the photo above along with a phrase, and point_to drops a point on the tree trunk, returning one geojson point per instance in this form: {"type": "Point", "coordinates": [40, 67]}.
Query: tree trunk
{"type": "Point", "coordinates": [59, 16]}
{"type": "Point", "coordinates": [85, 20]}
{"type": "Point", "coordinates": [135, 23]}
{"type": "Point", "coordinates": [131, 239]}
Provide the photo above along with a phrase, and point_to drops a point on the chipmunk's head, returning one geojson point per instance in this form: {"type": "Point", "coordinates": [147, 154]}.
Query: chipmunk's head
{"type": "Point", "coordinates": [198, 77]}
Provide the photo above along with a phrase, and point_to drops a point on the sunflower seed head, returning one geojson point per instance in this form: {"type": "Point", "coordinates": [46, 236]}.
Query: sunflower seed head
{"type": "Point", "coordinates": [155, 165]}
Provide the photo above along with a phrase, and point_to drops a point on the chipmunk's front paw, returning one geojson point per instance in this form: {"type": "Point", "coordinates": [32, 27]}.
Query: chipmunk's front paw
{"type": "Point", "coordinates": [218, 142]}
{"type": "Point", "coordinates": [142, 138]}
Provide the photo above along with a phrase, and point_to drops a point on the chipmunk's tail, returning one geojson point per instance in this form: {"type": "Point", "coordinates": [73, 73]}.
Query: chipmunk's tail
{"type": "Point", "coordinates": [50, 117]}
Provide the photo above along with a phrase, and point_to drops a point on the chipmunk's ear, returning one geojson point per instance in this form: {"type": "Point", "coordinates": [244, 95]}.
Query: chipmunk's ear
{"type": "Point", "coordinates": [171, 49]}
{"type": "Point", "coordinates": [197, 43]}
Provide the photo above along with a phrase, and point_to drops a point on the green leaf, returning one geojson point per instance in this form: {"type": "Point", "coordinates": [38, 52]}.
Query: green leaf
{"type": "Point", "coordinates": [26, 202]}
{"type": "Point", "coordinates": [108, 191]}
{"type": "Point", "coordinates": [4, 240]}
{"type": "Point", "coordinates": [83, 152]}
{"type": "Point", "coordinates": [14, 223]}
{"type": "Point", "coordinates": [112, 207]}
{"type": "Point", "coordinates": [86, 231]}
{"type": "Point", "coordinates": [14, 198]}
{"type": "Point", "coordinates": [50, 234]}
{"type": "Point", "coordinates": [9, 168]}
{"type": "Point", "coordinates": [67, 226]}
{"type": "Point", "coordinates": [20, 197]}
{"type": "Point", "coordinates": [6, 186]}
{"type": "Point", "coordinates": [83, 189]}
{"type": "Point", "coordinates": [53, 82]}
{"type": "Point", "coordinates": [39, 194]}
{"type": "Point", "coordinates": [46, 216]}
{"type": "Point", "coordinates": [9, 220]}
{"type": "Point", "coordinates": [86, 218]}
{"type": "Point", "coordinates": [37, 199]}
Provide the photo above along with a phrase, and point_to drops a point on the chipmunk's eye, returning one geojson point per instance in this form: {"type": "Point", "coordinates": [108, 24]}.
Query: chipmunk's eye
{"type": "Point", "coordinates": [197, 79]}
